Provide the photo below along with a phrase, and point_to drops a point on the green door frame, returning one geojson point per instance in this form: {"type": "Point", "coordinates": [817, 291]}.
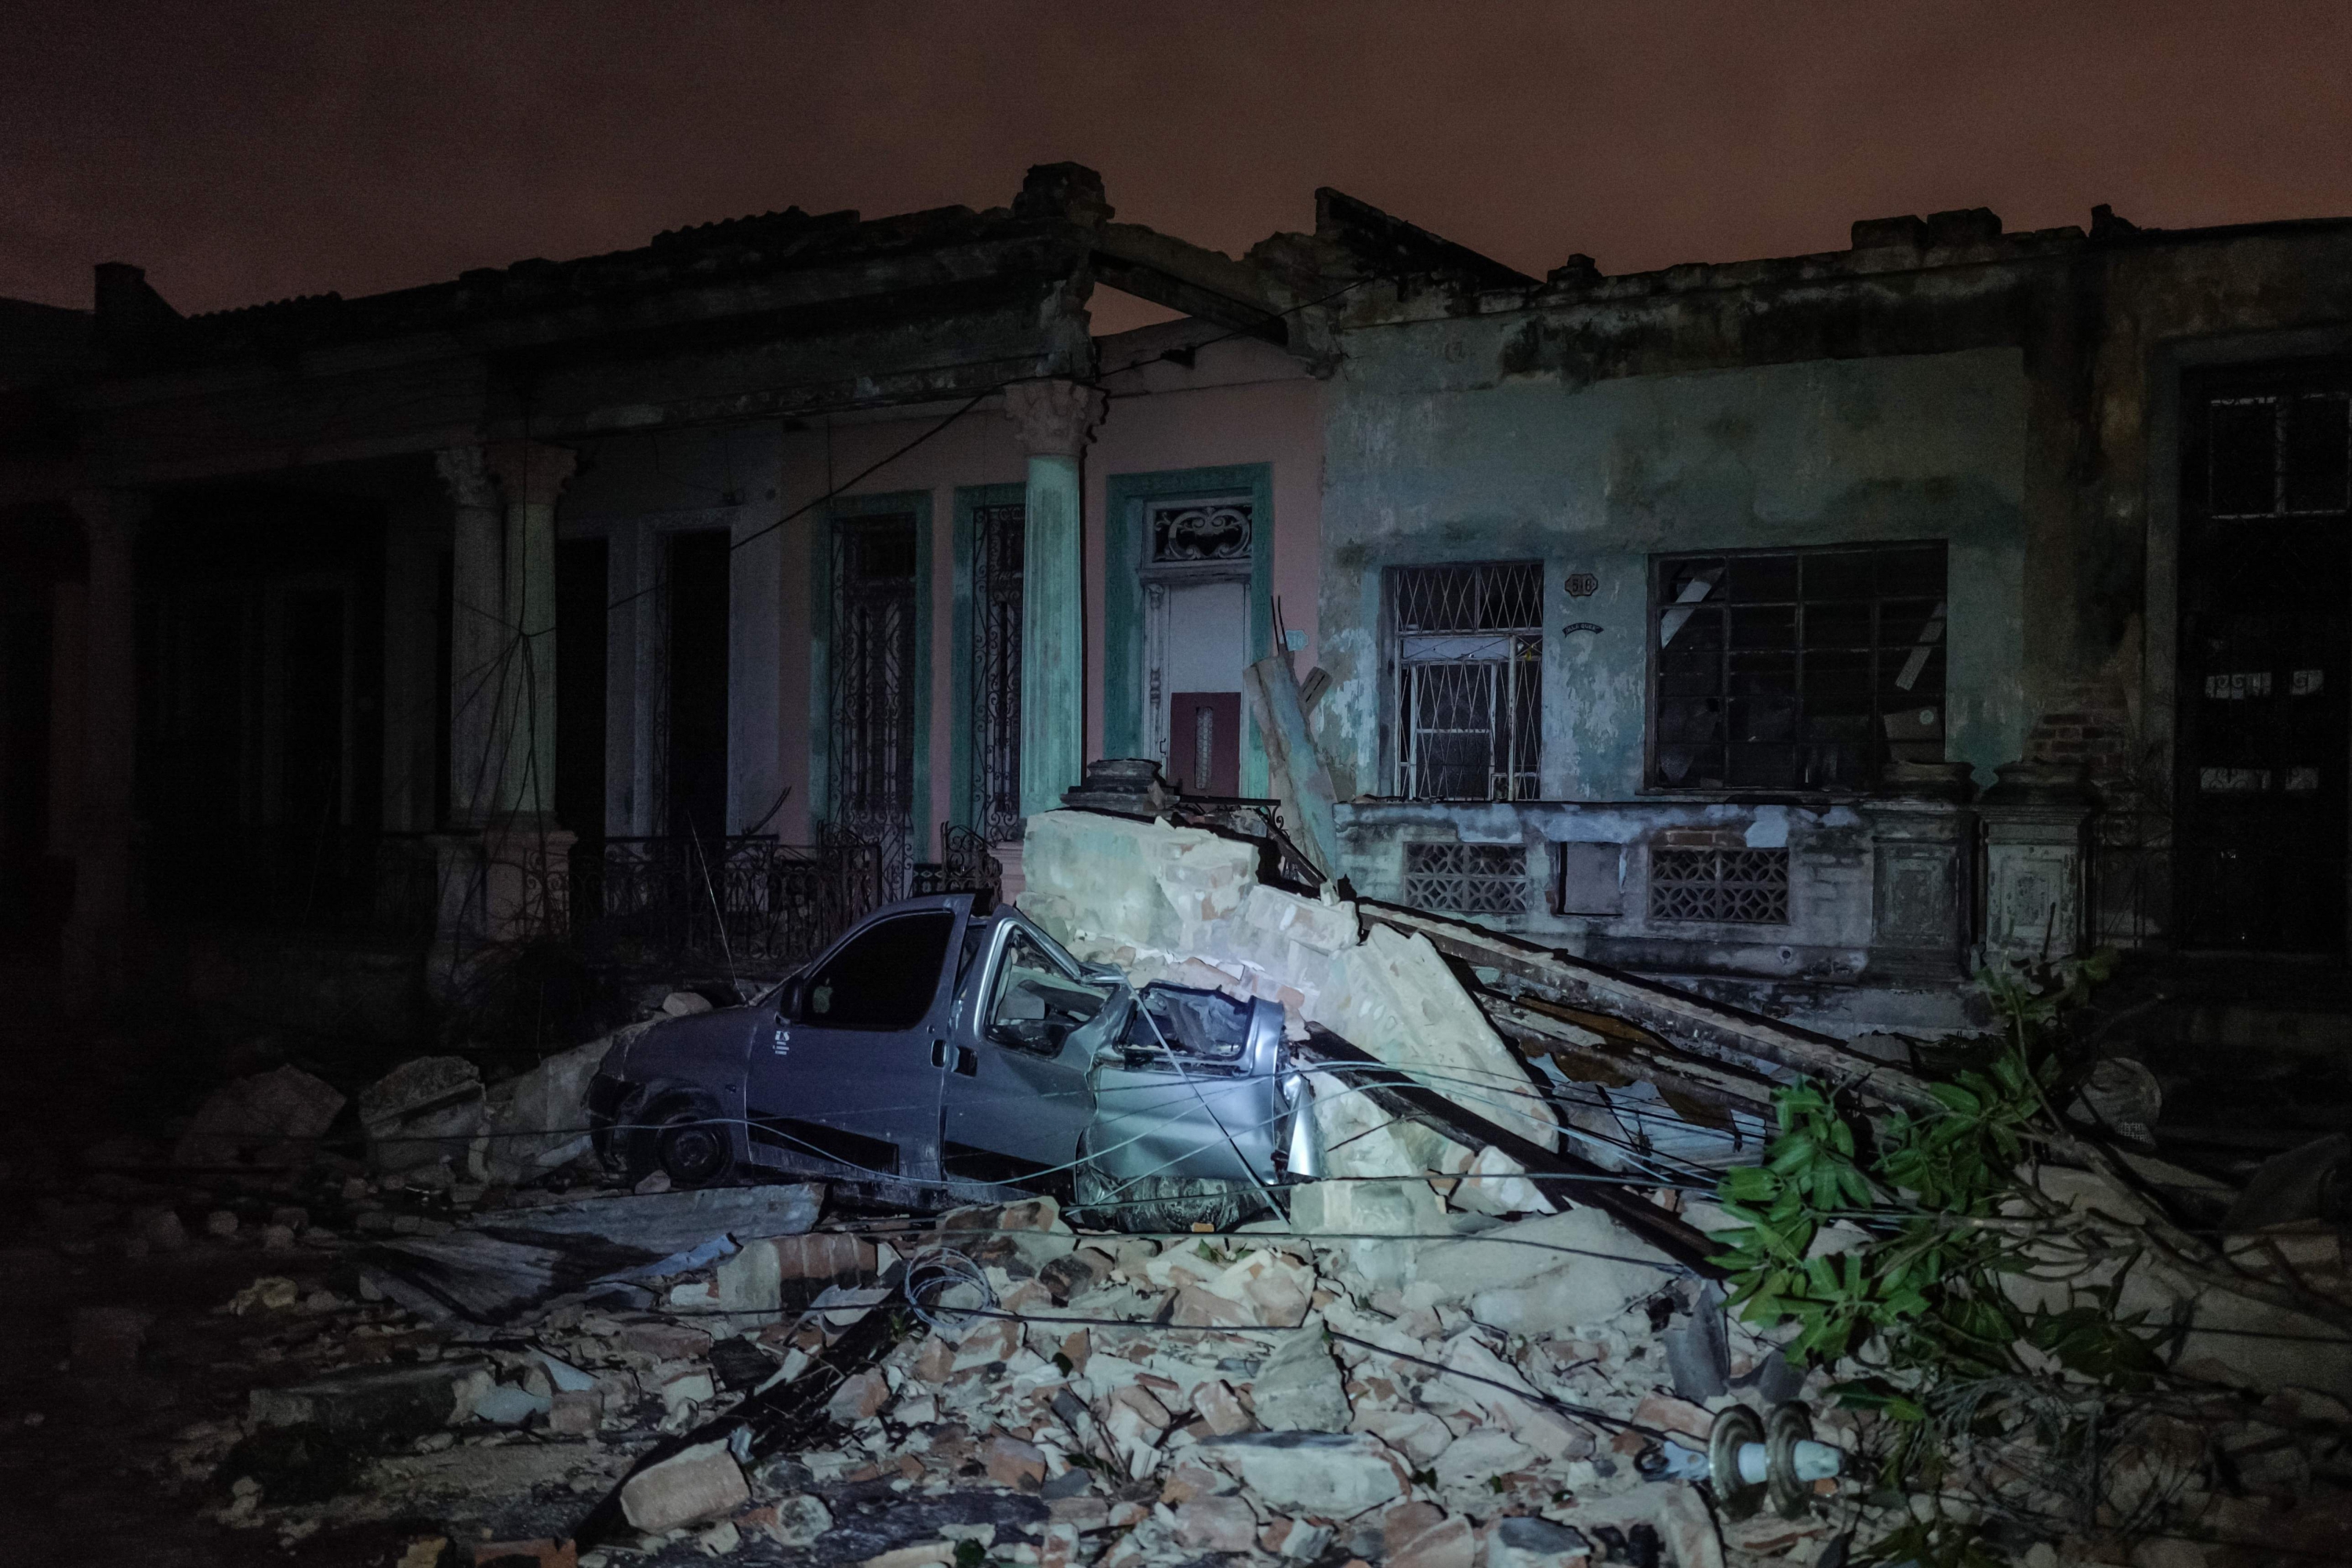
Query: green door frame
{"type": "Point", "coordinates": [1126, 548]}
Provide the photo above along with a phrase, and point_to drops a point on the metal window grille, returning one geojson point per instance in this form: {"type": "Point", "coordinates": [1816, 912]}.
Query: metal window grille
{"type": "Point", "coordinates": [998, 534]}
{"type": "Point", "coordinates": [1201, 530]}
{"type": "Point", "coordinates": [1743, 886]}
{"type": "Point", "coordinates": [1468, 684]}
{"type": "Point", "coordinates": [1796, 668]}
{"type": "Point", "coordinates": [1467, 878]}
{"type": "Point", "coordinates": [872, 765]}
{"type": "Point", "coordinates": [2287, 454]}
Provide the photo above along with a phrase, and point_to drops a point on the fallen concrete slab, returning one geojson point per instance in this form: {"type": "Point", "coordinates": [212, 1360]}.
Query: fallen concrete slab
{"type": "Point", "coordinates": [509, 1263]}
{"type": "Point", "coordinates": [274, 1118]}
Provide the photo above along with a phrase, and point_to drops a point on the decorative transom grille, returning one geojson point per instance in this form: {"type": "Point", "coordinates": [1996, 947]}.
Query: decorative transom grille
{"type": "Point", "coordinates": [1467, 878]}
{"type": "Point", "coordinates": [1746, 886]}
{"type": "Point", "coordinates": [1193, 530]}
{"type": "Point", "coordinates": [872, 710]}
{"type": "Point", "coordinates": [997, 543]}
{"type": "Point", "coordinates": [1468, 651]}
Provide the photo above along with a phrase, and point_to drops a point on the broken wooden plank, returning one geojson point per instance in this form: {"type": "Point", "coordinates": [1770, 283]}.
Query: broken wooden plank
{"type": "Point", "coordinates": [1718, 1086]}
{"type": "Point", "coordinates": [1294, 765]}
{"type": "Point", "coordinates": [1687, 1022]}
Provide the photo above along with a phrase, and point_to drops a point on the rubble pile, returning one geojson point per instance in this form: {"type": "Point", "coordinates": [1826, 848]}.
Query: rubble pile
{"type": "Point", "coordinates": [1483, 1332]}
{"type": "Point", "coordinates": [1498, 1398]}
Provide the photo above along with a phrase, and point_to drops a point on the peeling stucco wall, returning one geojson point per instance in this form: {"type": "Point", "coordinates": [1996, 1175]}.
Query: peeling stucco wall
{"type": "Point", "coordinates": [1438, 452]}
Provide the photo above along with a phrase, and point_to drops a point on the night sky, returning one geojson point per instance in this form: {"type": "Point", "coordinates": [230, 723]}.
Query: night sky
{"type": "Point", "coordinates": [245, 152]}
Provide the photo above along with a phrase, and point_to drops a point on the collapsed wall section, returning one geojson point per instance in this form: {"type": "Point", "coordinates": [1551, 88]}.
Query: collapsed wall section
{"type": "Point", "coordinates": [1184, 906]}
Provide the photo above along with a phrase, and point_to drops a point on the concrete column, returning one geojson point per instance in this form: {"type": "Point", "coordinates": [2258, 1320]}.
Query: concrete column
{"type": "Point", "coordinates": [631, 661]}
{"type": "Point", "coordinates": [531, 476]}
{"type": "Point", "coordinates": [411, 543]}
{"type": "Point", "coordinates": [476, 633]}
{"type": "Point", "coordinates": [1056, 419]}
{"type": "Point", "coordinates": [96, 932]}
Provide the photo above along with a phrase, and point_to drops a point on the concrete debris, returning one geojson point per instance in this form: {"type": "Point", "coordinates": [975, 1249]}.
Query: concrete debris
{"type": "Point", "coordinates": [387, 1407]}
{"type": "Point", "coordinates": [535, 1121]}
{"type": "Point", "coordinates": [427, 1116]}
{"type": "Point", "coordinates": [505, 1265]}
{"type": "Point", "coordinates": [1298, 1388]}
{"type": "Point", "coordinates": [274, 1118]}
{"type": "Point", "coordinates": [1446, 1352]}
{"type": "Point", "coordinates": [1184, 905]}
{"type": "Point", "coordinates": [693, 1484]}
{"type": "Point", "coordinates": [1334, 1475]}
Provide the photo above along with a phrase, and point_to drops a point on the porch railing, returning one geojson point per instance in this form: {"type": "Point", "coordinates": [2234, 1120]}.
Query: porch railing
{"type": "Point", "coordinates": [747, 902]}
{"type": "Point", "coordinates": [967, 866]}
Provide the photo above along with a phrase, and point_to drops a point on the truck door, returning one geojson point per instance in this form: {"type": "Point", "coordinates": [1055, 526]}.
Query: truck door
{"type": "Point", "coordinates": [1016, 1099]}
{"type": "Point", "coordinates": [853, 1074]}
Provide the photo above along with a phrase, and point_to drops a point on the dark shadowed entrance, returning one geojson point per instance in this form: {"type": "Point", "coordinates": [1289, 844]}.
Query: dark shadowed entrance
{"type": "Point", "coordinates": [2265, 577]}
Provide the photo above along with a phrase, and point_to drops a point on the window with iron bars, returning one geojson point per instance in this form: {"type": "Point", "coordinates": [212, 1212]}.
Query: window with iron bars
{"type": "Point", "coordinates": [1796, 669]}
{"type": "Point", "coordinates": [2283, 455]}
{"type": "Point", "coordinates": [1466, 679]}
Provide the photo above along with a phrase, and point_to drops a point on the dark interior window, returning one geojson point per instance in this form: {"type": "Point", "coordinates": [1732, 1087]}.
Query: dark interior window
{"type": "Point", "coordinates": [886, 978]}
{"type": "Point", "coordinates": [1803, 670]}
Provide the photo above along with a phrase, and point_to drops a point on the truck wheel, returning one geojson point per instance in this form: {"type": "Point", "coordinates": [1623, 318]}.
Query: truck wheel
{"type": "Point", "coordinates": [694, 1148]}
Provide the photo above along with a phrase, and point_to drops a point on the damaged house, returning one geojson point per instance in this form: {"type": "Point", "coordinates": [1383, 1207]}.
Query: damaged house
{"type": "Point", "coordinates": [1803, 628]}
{"type": "Point", "coordinates": [689, 599]}
{"type": "Point", "coordinates": [1662, 685]}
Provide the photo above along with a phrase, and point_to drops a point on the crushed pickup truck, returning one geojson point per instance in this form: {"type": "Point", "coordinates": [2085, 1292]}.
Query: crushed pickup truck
{"type": "Point", "coordinates": [936, 1052]}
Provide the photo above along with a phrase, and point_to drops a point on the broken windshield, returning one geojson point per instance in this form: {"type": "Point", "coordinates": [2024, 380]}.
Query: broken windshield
{"type": "Point", "coordinates": [1199, 1023]}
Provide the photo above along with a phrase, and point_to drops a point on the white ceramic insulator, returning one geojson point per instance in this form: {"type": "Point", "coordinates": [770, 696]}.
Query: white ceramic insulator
{"type": "Point", "coordinates": [1813, 1461]}
{"type": "Point", "coordinates": [1817, 1461]}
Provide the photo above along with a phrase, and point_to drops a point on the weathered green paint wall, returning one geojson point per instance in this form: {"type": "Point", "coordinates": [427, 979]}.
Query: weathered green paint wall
{"type": "Point", "coordinates": [1433, 456]}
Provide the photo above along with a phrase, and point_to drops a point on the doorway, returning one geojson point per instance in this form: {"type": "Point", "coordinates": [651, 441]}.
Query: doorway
{"type": "Point", "coordinates": [582, 573]}
{"type": "Point", "coordinates": [1197, 644]}
{"type": "Point", "coordinates": [871, 789]}
{"type": "Point", "coordinates": [2266, 575]}
{"type": "Point", "coordinates": [696, 759]}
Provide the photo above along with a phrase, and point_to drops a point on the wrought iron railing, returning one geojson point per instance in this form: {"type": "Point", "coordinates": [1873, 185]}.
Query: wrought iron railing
{"type": "Point", "coordinates": [746, 901]}
{"type": "Point", "coordinates": [968, 867]}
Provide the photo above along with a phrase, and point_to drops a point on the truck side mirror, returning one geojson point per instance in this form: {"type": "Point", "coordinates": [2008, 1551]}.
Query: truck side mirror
{"type": "Point", "coordinates": [788, 1001]}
